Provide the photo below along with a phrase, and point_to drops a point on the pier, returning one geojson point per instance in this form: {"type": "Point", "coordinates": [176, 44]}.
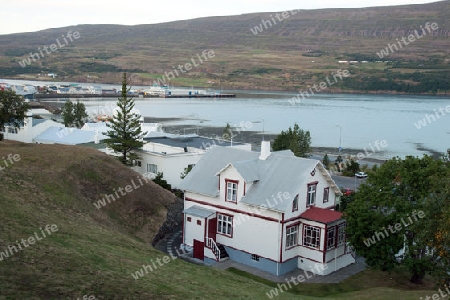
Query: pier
{"type": "Point", "coordinates": [54, 96]}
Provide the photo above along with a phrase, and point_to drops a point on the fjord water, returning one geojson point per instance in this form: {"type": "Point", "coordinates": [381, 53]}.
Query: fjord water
{"type": "Point", "coordinates": [364, 119]}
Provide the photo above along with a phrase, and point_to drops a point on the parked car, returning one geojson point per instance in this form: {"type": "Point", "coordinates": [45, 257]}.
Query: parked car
{"type": "Point", "coordinates": [347, 191]}
{"type": "Point", "coordinates": [361, 175]}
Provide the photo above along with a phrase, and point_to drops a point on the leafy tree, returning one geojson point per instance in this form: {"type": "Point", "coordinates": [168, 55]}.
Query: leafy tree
{"type": "Point", "coordinates": [351, 167]}
{"type": "Point", "coordinates": [125, 129]}
{"type": "Point", "coordinates": [446, 156]}
{"type": "Point", "coordinates": [346, 198]}
{"type": "Point", "coordinates": [326, 160]}
{"type": "Point", "coordinates": [74, 114]}
{"type": "Point", "coordinates": [338, 163]}
{"type": "Point", "coordinates": [396, 193]}
{"type": "Point", "coordinates": [159, 180]}
{"type": "Point", "coordinates": [297, 140]}
{"type": "Point", "coordinates": [186, 171]}
{"type": "Point", "coordinates": [13, 109]}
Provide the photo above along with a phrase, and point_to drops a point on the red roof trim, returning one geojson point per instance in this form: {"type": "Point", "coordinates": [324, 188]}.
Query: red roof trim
{"type": "Point", "coordinates": [321, 215]}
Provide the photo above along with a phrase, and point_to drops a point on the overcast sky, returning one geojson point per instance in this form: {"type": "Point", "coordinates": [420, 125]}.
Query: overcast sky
{"type": "Point", "coordinates": [33, 15]}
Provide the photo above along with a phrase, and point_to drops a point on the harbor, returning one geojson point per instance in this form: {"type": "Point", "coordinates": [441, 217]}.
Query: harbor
{"type": "Point", "coordinates": [45, 90]}
{"type": "Point", "coordinates": [39, 96]}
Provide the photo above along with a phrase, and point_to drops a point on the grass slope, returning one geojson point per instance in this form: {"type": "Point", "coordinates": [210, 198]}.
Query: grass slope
{"type": "Point", "coordinates": [94, 252]}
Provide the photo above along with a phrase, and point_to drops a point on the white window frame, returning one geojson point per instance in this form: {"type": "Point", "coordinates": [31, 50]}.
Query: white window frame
{"type": "Point", "coordinates": [331, 237]}
{"type": "Point", "coordinates": [291, 236]}
{"type": "Point", "coordinates": [151, 168]}
{"type": "Point", "coordinates": [311, 236]}
{"type": "Point", "coordinates": [341, 234]}
{"type": "Point", "coordinates": [295, 203]}
{"type": "Point", "coordinates": [312, 193]}
{"type": "Point", "coordinates": [326, 192]}
{"type": "Point", "coordinates": [232, 189]}
{"type": "Point", "coordinates": [225, 225]}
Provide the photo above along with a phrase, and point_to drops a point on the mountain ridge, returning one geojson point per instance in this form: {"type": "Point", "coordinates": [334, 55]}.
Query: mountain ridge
{"type": "Point", "coordinates": [287, 55]}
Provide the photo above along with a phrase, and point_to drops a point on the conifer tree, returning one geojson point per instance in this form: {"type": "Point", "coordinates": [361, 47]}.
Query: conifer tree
{"type": "Point", "coordinates": [125, 134]}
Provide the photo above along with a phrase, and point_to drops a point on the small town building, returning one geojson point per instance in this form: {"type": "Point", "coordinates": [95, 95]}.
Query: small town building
{"type": "Point", "coordinates": [271, 211]}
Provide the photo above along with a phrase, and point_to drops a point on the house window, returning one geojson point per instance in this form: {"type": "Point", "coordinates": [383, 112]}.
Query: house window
{"type": "Point", "coordinates": [311, 237]}
{"type": "Point", "coordinates": [291, 236]}
{"type": "Point", "coordinates": [231, 193]}
{"type": "Point", "coordinates": [295, 203]}
{"type": "Point", "coordinates": [199, 222]}
{"type": "Point", "coordinates": [224, 224]}
{"type": "Point", "coordinates": [331, 237]}
{"type": "Point", "coordinates": [311, 197]}
{"type": "Point", "coordinates": [151, 168]}
{"type": "Point", "coordinates": [341, 234]}
{"type": "Point", "coordinates": [189, 219]}
{"type": "Point", "coordinates": [12, 130]}
{"type": "Point", "coordinates": [326, 194]}
{"type": "Point", "coordinates": [255, 257]}
{"type": "Point", "coordinates": [138, 163]}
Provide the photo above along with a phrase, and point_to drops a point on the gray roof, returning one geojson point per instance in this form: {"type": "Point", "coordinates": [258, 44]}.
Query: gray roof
{"type": "Point", "coordinates": [67, 136]}
{"type": "Point", "coordinates": [199, 211]}
{"type": "Point", "coordinates": [202, 179]}
{"type": "Point", "coordinates": [38, 121]}
{"type": "Point", "coordinates": [280, 172]}
{"type": "Point", "coordinates": [192, 140]}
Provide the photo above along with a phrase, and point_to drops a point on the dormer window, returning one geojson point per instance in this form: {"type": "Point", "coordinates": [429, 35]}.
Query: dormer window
{"type": "Point", "coordinates": [231, 192]}
{"type": "Point", "coordinates": [295, 204]}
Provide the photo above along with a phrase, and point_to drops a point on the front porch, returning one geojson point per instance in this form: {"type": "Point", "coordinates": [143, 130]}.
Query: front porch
{"type": "Point", "coordinates": [200, 230]}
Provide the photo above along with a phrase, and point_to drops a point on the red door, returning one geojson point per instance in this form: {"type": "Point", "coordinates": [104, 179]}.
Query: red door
{"type": "Point", "coordinates": [199, 249]}
{"type": "Point", "coordinates": [212, 228]}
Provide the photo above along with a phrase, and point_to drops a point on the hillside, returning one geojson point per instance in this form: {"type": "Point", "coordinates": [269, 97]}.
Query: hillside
{"type": "Point", "coordinates": [300, 50]}
{"type": "Point", "coordinates": [91, 251]}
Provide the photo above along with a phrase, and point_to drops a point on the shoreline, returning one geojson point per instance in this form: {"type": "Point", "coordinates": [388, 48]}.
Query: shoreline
{"type": "Point", "coordinates": [252, 137]}
{"type": "Point", "coordinates": [250, 89]}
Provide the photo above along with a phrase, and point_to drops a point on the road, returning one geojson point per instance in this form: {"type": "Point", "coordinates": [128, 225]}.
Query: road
{"type": "Point", "coordinates": [347, 182]}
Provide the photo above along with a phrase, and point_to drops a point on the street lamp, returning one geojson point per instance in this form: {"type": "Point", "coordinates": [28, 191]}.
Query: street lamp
{"type": "Point", "coordinates": [260, 121]}
{"type": "Point", "coordinates": [340, 137]}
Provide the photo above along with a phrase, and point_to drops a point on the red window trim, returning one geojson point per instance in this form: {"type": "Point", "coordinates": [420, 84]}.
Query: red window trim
{"type": "Point", "coordinates": [226, 189]}
{"type": "Point", "coordinates": [307, 193]}
{"type": "Point", "coordinates": [232, 223]}
{"type": "Point", "coordinates": [189, 219]}
{"type": "Point", "coordinates": [328, 191]}
{"type": "Point", "coordinates": [296, 197]}
{"type": "Point", "coordinates": [199, 222]}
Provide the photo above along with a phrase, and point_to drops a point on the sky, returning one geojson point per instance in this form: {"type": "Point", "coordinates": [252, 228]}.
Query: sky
{"type": "Point", "coordinates": [31, 15]}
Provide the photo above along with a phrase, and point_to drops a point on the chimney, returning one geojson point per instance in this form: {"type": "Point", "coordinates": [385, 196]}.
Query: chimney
{"type": "Point", "coordinates": [96, 138]}
{"type": "Point", "coordinates": [265, 150]}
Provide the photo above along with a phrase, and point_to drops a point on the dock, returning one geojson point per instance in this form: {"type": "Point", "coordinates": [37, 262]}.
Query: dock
{"type": "Point", "coordinates": [54, 96]}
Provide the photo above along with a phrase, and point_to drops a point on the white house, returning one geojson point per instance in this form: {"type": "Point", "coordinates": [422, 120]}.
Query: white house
{"type": "Point", "coordinates": [30, 129]}
{"type": "Point", "coordinates": [272, 211]}
{"type": "Point", "coordinates": [172, 153]}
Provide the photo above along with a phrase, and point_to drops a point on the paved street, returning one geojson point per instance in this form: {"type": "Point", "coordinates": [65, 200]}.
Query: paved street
{"type": "Point", "coordinates": [347, 182]}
